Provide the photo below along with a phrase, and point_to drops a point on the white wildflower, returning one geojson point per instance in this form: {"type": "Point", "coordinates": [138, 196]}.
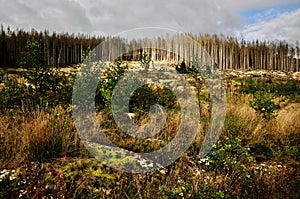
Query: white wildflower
{"type": "Point", "coordinates": [12, 178]}
{"type": "Point", "coordinates": [3, 171]}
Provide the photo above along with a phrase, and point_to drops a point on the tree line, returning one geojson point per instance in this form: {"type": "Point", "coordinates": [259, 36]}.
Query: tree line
{"type": "Point", "coordinates": [226, 52]}
{"type": "Point", "coordinates": [62, 49]}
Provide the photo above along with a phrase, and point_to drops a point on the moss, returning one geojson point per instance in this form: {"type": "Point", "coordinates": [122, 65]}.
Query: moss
{"type": "Point", "coordinates": [86, 168]}
{"type": "Point", "coordinates": [112, 158]}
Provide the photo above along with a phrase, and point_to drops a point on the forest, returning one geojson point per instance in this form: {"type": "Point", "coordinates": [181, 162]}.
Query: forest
{"type": "Point", "coordinates": [227, 52]}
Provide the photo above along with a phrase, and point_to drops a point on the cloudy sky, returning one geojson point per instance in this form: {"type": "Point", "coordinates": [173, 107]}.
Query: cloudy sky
{"type": "Point", "coordinates": [248, 19]}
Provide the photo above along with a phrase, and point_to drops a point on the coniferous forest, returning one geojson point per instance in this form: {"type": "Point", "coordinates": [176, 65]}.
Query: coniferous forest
{"type": "Point", "coordinates": [64, 49]}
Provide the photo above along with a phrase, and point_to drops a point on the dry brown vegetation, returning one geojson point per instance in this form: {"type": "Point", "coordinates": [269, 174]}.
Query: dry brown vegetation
{"type": "Point", "coordinates": [254, 158]}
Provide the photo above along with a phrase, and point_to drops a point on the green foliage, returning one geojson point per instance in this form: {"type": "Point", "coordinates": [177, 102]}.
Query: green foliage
{"type": "Point", "coordinates": [264, 104]}
{"type": "Point", "coordinates": [44, 82]}
{"type": "Point", "coordinates": [264, 94]}
{"type": "Point", "coordinates": [33, 56]}
{"type": "Point", "coordinates": [250, 85]}
{"type": "Point", "coordinates": [107, 84]}
{"type": "Point", "coordinates": [144, 59]}
{"type": "Point", "coordinates": [183, 190]}
{"type": "Point", "coordinates": [289, 89]}
{"type": "Point", "coordinates": [80, 179]}
{"type": "Point", "coordinates": [148, 95]}
{"type": "Point", "coordinates": [228, 155]}
{"type": "Point", "coordinates": [12, 95]}
{"type": "Point", "coordinates": [88, 55]}
{"type": "Point", "coordinates": [43, 86]}
{"type": "Point", "coordinates": [209, 192]}
{"type": "Point", "coordinates": [88, 179]}
{"type": "Point", "coordinates": [182, 68]}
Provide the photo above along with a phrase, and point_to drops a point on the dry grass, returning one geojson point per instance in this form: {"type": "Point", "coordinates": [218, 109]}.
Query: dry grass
{"type": "Point", "coordinates": [32, 136]}
{"type": "Point", "coordinates": [286, 122]}
{"type": "Point", "coordinates": [43, 136]}
{"type": "Point", "coordinates": [288, 119]}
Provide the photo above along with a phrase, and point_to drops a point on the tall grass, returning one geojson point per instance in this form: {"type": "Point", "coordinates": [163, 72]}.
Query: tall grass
{"type": "Point", "coordinates": [43, 157]}
{"type": "Point", "coordinates": [38, 136]}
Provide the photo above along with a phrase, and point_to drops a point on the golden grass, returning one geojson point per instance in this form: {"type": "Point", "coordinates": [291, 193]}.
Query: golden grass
{"type": "Point", "coordinates": [286, 122]}
{"type": "Point", "coordinates": [24, 136]}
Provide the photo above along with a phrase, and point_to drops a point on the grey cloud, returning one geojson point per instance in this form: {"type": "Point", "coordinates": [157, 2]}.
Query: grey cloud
{"type": "Point", "coordinates": [16, 13]}
{"type": "Point", "coordinates": [187, 16]}
{"type": "Point", "coordinates": [113, 16]}
{"type": "Point", "coordinates": [60, 16]}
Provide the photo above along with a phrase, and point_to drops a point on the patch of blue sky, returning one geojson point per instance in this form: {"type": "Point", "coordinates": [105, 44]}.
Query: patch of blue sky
{"type": "Point", "coordinates": [265, 14]}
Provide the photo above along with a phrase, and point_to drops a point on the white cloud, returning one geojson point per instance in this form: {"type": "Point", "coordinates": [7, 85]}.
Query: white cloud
{"type": "Point", "coordinates": [113, 16]}
{"type": "Point", "coordinates": [284, 27]}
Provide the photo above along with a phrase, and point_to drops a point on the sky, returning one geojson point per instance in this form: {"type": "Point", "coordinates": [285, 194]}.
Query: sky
{"type": "Point", "coordinates": [245, 19]}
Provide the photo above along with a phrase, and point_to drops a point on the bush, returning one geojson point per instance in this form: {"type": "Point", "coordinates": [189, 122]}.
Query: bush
{"type": "Point", "coordinates": [12, 95]}
{"type": "Point", "coordinates": [45, 82]}
{"type": "Point", "coordinates": [249, 85]}
{"type": "Point", "coordinates": [228, 155]}
{"type": "Point", "coordinates": [42, 86]}
{"type": "Point", "coordinates": [107, 84]}
{"type": "Point", "coordinates": [145, 60]}
{"type": "Point", "coordinates": [288, 89]}
{"type": "Point", "coordinates": [264, 105]}
{"type": "Point", "coordinates": [261, 151]}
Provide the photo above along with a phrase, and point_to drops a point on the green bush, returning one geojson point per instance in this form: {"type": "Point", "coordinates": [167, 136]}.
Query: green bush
{"type": "Point", "coordinates": [183, 190]}
{"type": "Point", "coordinates": [289, 88]}
{"type": "Point", "coordinates": [148, 95]}
{"type": "Point", "coordinates": [45, 82]}
{"type": "Point", "coordinates": [144, 59]}
{"type": "Point", "coordinates": [249, 85]}
{"type": "Point", "coordinates": [264, 104]}
{"type": "Point", "coordinates": [107, 84]}
{"type": "Point", "coordinates": [43, 86]}
{"type": "Point", "coordinates": [227, 155]}
{"type": "Point", "coordinates": [13, 95]}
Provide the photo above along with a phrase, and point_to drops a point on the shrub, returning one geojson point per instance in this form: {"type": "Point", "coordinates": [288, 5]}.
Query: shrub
{"type": "Point", "coordinates": [249, 85]}
{"type": "Point", "coordinates": [227, 155]}
{"type": "Point", "coordinates": [107, 84]}
{"type": "Point", "coordinates": [43, 86]}
{"type": "Point", "coordinates": [290, 88]}
{"type": "Point", "coordinates": [45, 82]}
{"type": "Point", "coordinates": [144, 59]}
{"type": "Point", "coordinates": [12, 95]}
{"type": "Point", "coordinates": [264, 104]}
